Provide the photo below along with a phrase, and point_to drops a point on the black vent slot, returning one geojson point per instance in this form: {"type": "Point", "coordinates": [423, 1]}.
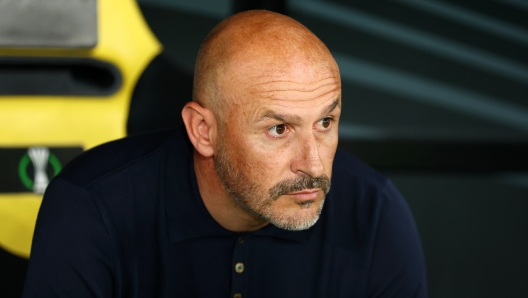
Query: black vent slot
{"type": "Point", "coordinates": [57, 76]}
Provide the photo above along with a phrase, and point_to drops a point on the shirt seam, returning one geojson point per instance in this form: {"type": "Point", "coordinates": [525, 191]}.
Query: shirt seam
{"type": "Point", "coordinates": [122, 167]}
{"type": "Point", "coordinates": [105, 225]}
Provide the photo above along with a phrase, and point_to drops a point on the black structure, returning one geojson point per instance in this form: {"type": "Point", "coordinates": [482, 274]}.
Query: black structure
{"type": "Point", "coordinates": [437, 156]}
{"type": "Point", "coordinates": [160, 94]}
{"type": "Point", "coordinates": [57, 76]}
{"type": "Point", "coordinates": [12, 274]}
{"type": "Point", "coordinates": [273, 5]}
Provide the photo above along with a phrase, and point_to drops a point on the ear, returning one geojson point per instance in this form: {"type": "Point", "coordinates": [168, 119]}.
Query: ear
{"type": "Point", "coordinates": [201, 127]}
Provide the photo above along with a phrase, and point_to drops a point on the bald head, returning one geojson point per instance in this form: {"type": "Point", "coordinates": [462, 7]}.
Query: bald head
{"type": "Point", "coordinates": [253, 43]}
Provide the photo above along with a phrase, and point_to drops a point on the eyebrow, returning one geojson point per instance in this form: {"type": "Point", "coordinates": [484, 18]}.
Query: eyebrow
{"type": "Point", "coordinates": [331, 107]}
{"type": "Point", "coordinates": [295, 118]}
{"type": "Point", "coordinates": [280, 117]}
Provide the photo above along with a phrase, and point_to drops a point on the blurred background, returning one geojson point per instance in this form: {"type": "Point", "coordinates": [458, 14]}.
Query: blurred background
{"type": "Point", "coordinates": [434, 96]}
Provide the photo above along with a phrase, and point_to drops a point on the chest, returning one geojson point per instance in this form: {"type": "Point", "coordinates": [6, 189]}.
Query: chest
{"type": "Point", "coordinates": [251, 266]}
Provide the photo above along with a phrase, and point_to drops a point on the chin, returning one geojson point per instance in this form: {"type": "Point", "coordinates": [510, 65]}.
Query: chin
{"type": "Point", "coordinates": [303, 218]}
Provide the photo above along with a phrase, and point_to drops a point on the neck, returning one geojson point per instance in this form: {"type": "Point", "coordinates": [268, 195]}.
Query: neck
{"type": "Point", "coordinates": [220, 204]}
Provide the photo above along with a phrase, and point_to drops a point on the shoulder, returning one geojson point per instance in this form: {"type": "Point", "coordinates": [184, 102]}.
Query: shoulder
{"type": "Point", "coordinates": [117, 155]}
{"type": "Point", "coordinates": [366, 211]}
{"type": "Point", "coordinates": [121, 182]}
{"type": "Point", "coordinates": [348, 169]}
{"type": "Point", "coordinates": [357, 186]}
{"type": "Point", "coordinates": [358, 199]}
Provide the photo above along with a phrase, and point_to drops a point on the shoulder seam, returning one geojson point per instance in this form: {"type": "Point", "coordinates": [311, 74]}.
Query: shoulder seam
{"type": "Point", "coordinates": [113, 171]}
{"type": "Point", "coordinates": [98, 206]}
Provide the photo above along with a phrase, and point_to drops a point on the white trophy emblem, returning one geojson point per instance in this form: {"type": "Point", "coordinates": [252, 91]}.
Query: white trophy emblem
{"type": "Point", "coordinates": [39, 156]}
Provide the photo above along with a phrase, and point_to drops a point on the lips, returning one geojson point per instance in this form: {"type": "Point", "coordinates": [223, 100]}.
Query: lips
{"type": "Point", "coordinates": [305, 195]}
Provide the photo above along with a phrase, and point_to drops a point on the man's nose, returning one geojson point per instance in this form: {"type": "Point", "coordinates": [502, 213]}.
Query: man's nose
{"type": "Point", "coordinates": [308, 159]}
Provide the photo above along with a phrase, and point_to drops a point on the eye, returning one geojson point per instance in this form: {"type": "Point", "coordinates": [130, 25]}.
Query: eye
{"type": "Point", "coordinates": [278, 130]}
{"type": "Point", "coordinates": [324, 124]}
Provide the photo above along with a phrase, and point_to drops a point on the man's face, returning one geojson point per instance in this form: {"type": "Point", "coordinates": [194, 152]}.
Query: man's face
{"type": "Point", "coordinates": [277, 140]}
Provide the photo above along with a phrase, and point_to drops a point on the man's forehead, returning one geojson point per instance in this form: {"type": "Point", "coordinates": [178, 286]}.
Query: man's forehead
{"type": "Point", "coordinates": [289, 87]}
{"type": "Point", "coordinates": [304, 113]}
{"type": "Point", "coordinates": [269, 73]}
{"type": "Point", "coordinates": [299, 79]}
{"type": "Point", "coordinates": [286, 115]}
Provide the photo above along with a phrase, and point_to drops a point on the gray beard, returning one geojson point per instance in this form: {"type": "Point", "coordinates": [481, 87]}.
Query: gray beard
{"type": "Point", "coordinates": [251, 199]}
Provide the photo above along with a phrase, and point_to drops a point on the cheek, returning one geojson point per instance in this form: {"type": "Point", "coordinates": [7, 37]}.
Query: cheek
{"type": "Point", "coordinates": [247, 157]}
{"type": "Point", "coordinates": [327, 151]}
{"type": "Point", "coordinates": [267, 162]}
{"type": "Point", "coordinates": [266, 166]}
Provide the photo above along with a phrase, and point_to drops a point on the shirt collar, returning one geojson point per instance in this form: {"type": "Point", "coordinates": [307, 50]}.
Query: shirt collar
{"type": "Point", "coordinates": [187, 215]}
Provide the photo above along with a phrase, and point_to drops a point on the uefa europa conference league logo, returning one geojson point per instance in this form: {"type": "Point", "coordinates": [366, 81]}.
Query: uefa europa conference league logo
{"type": "Point", "coordinates": [40, 157]}
{"type": "Point", "coordinates": [31, 169]}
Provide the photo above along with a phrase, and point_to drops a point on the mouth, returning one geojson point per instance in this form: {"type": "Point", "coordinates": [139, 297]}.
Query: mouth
{"type": "Point", "coordinates": [305, 195]}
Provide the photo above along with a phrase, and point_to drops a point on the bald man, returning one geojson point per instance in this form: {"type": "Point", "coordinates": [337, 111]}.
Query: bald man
{"type": "Point", "coordinates": [239, 203]}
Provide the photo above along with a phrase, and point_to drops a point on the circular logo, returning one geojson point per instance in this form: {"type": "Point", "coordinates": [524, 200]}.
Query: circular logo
{"type": "Point", "coordinates": [40, 157]}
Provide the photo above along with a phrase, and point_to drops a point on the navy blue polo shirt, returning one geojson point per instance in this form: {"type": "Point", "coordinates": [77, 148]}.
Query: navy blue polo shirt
{"type": "Point", "coordinates": [126, 220]}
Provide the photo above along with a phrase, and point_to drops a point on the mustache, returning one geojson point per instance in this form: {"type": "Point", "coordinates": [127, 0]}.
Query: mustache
{"type": "Point", "coordinates": [302, 182]}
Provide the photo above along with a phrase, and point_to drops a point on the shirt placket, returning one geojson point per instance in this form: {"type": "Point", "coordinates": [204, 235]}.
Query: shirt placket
{"type": "Point", "coordinates": [239, 269]}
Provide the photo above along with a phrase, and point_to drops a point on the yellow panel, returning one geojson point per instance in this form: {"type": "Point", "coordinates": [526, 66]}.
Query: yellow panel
{"type": "Point", "coordinates": [17, 218]}
{"type": "Point", "coordinates": [126, 42]}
